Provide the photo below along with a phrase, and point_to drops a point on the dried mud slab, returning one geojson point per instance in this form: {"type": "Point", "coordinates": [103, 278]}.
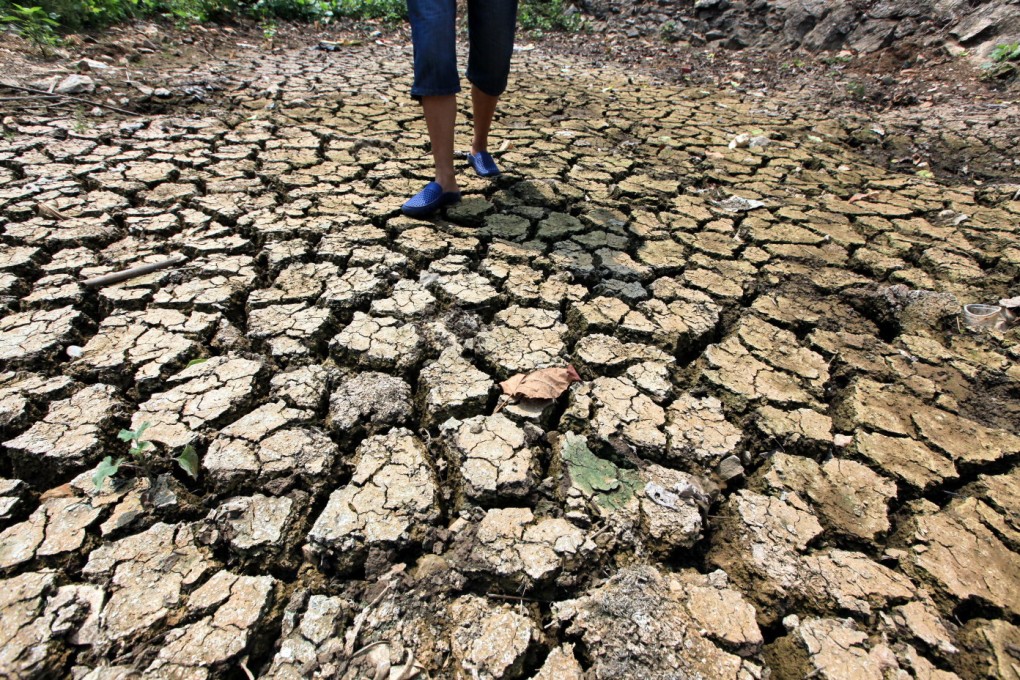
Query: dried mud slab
{"type": "Point", "coordinates": [522, 340]}
{"type": "Point", "coordinates": [200, 395]}
{"type": "Point", "coordinates": [70, 437]}
{"type": "Point", "coordinates": [635, 624]}
{"type": "Point", "coordinates": [28, 337]}
{"type": "Point", "coordinates": [369, 401]}
{"type": "Point", "coordinates": [146, 577]}
{"type": "Point", "coordinates": [494, 456]}
{"type": "Point", "coordinates": [786, 457]}
{"type": "Point", "coordinates": [391, 503]}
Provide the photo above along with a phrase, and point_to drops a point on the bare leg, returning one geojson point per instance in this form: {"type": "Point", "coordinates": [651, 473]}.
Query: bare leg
{"type": "Point", "coordinates": [483, 107]}
{"type": "Point", "coordinates": [440, 117]}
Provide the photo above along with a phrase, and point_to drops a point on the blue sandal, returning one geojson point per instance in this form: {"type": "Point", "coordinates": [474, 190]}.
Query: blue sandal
{"type": "Point", "coordinates": [483, 164]}
{"type": "Point", "coordinates": [429, 200]}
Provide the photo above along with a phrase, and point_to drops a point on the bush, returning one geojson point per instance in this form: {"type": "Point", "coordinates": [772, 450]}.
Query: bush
{"type": "Point", "coordinates": [33, 24]}
{"type": "Point", "coordinates": [548, 15]}
{"type": "Point", "coordinates": [73, 15]}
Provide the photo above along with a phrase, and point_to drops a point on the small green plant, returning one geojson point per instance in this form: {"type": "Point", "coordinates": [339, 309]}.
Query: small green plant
{"type": "Point", "coordinates": [81, 123]}
{"type": "Point", "coordinates": [1004, 64]}
{"type": "Point", "coordinates": [669, 31]}
{"type": "Point", "coordinates": [1007, 52]}
{"type": "Point", "coordinates": [269, 33]}
{"type": "Point", "coordinates": [139, 450]}
{"type": "Point", "coordinates": [837, 60]}
{"type": "Point", "coordinates": [34, 24]}
{"type": "Point", "coordinates": [856, 90]}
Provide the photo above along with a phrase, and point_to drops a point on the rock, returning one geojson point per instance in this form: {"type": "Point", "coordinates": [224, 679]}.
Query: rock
{"type": "Point", "coordinates": [390, 503]}
{"type": "Point", "coordinates": [730, 468]}
{"type": "Point", "coordinates": [75, 84]}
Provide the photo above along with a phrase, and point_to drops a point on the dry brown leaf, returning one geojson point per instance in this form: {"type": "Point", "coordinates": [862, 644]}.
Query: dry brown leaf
{"type": "Point", "coordinates": [545, 383]}
{"type": "Point", "coordinates": [861, 197]}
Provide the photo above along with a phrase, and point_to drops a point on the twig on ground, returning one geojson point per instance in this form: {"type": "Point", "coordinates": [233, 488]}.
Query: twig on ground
{"type": "Point", "coordinates": [42, 94]}
{"type": "Point", "coordinates": [244, 667]}
{"type": "Point", "coordinates": [517, 598]}
{"type": "Point", "coordinates": [140, 270]}
{"type": "Point", "coordinates": [360, 621]}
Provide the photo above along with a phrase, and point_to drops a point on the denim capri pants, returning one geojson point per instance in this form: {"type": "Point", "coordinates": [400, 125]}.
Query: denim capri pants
{"type": "Point", "coordinates": [491, 25]}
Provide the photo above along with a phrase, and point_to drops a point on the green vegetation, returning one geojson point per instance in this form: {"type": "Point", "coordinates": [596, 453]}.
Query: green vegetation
{"type": "Point", "coordinates": [548, 15]}
{"type": "Point", "coordinates": [1004, 64]}
{"type": "Point", "coordinates": [856, 90]}
{"type": "Point", "coordinates": [33, 24]}
{"type": "Point", "coordinates": [140, 452]}
{"type": "Point", "coordinates": [1007, 52]}
{"type": "Point", "coordinates": [38, 23]}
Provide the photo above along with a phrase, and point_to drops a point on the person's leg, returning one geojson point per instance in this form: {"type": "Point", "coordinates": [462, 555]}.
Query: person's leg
{"type": "Point", "coordinates": [436, 83]}
{"type": "Point", "coordinates": [483, 110]}
{"type": "Point", "coordinates": [491, 28]}
{"type": "Point", "coordinates": [441, 118]}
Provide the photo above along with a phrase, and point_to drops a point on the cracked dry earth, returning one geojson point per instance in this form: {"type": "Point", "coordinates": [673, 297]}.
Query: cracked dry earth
{"type": "Point", "coordinates": [786, 458]}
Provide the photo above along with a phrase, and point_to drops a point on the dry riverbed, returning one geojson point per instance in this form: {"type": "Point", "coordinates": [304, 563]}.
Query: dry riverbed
{"type": "Point", "coordinates": [787, 456]}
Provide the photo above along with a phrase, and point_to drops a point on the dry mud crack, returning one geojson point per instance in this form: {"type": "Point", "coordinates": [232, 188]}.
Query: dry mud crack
{"type": "Point", "coordinates": [786, 457]}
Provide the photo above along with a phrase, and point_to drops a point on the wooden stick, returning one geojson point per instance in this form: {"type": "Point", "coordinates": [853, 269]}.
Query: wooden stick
{"type": "Point", "coordinates": [133, 272]}
{"type": "Point", "coordinates": [48, 95]}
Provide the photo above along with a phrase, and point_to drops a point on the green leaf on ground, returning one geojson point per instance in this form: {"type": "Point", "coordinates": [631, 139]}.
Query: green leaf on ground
{"type": "Point", "coordinates": [196, 362]}
{"type": "Point", "coordinates": [188, 460]}
{"type": "Point", "coordinates": [107, 468]}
